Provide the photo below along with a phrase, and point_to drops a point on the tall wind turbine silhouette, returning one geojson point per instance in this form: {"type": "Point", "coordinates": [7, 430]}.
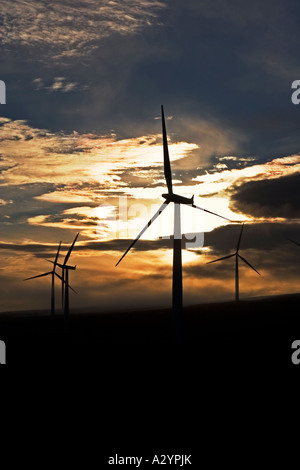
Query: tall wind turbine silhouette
{"type": "Point", "coordinates": [237, 256]}
{"type": "Point", "coordinates": [169, 197]}
{"type": "Point", "coordinates": [53, 273]}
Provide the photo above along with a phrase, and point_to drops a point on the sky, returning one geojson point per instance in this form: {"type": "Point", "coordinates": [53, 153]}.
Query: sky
{"type": "Point", "coordinates": [81, 147]}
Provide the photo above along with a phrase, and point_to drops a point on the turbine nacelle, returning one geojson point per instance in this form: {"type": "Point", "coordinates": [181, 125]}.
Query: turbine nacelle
{"type": "Point", "coordinates": [171, 197]}
{"type": "Point", "coordinates": [66, 266]}
{"type": "Point", "coordinates": [62, 266]}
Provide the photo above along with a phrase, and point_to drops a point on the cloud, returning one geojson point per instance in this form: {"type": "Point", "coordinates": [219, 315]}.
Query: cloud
{"type": "Point", "coordinates": [262, 236]}
{"type": "Point", "coordinates": [63, 179]}
{"type": "Point", "coordinates": [265, 245]}
{"type": "Point", "coordinates": [40, 250]}
{"type": "Point", "coordinates": [265, 22]}
{"type": "Point", "coordinates": [35, 155]}
{"type": "Point", "coordinates": [272, 198]}
{"type": "Point", "coordinates": [239, 14]}
{"type": "Point", "coordinates": [59, 84]}
{"type": "Point", "coordinates": [45, 174]}
{"type": "Point", "coordinates": [71, 29]}
{"type": "Point", "coordinates": [21, 202]}
{"type": "Point", "coordinates": [213, 139]}
{"type": "Point", "coordinates": [167, 118]}
{"type": "Point", "coordinates": [226, 181]}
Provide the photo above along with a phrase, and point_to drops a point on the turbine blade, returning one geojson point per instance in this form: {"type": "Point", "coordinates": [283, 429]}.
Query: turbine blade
{"type": "Point", "coordinates": [56, 257]}
{"type": "Point", "coordinates": [70, 287]}
{"type": "Point", "coordinates": [57, 275]}
{"type": "Point", "coordinates": [40, 275]}
{"type": "Point", "coordinates": [220, 259]}
{"type": "Point", "coordinates": [70, 249]}
{"type": "Point", "coordinates": [65, 283]}
{"type": "Point", "coordinates": [167, 166]}
{"type": "Point", "coordinates": [160, 210]}
{"type": "Point", "coordinates": [213, 213]}
{"type": "Point", "coordinates": [296, 243]}
{"type": "Point", "coordinates": [245, 261]}
{"type": "Point", "coordinates": [57, 264]}
{"type": "Point", "coordinates": [239, 241]}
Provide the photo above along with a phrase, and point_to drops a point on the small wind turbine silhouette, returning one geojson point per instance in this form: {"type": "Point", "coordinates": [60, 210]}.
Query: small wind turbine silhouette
{"type": "Point", "coordinates": [177, 257]}
{"type": "Point", "coordinates": [65, 281]}
{"type": "Point", "coordinates": [53, 273]}
{"type": "Point", "coordinates": [237, 256]}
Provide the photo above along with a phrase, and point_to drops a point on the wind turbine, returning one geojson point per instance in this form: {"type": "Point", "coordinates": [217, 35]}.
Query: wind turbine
{"type": "Point", "coordinates": [65, 282]}
{"type": "Point", "coordinates": [53, 273]}
{"type": "Point", "coordinates": [237, 256]}
{"type": "Point", "coordinates": [177, 258]}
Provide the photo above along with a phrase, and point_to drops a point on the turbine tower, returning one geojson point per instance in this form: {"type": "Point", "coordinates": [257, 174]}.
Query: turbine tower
{"type": "Point", "coordinates": [169, 197]}
{"type": "Point", "coordinates": [53, 273]}
{"type": "Point", "coordinates": [237, 256]}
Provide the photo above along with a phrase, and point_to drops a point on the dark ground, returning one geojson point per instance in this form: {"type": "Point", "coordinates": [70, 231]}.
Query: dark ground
{"type": "Point", "coordinates": [134, 393]}
{"type": "Point", "coordinates": [253, 332]}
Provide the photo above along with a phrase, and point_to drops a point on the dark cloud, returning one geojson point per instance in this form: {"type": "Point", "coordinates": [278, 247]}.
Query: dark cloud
{"type": "Point", "coordinates": [17, 193]}
{"type": "Point", "coordinates": [21, 203]}
{"type": "Point", "coordinates": [266, 246]}
{"type": "Point", "coordinates": [256, 236]}
{"type": "Point", "coordinates": [39, 249]}
{"type": "Point", "coordinates": [26, 248]}
{"type": "Point", "coordinates": [218, 62]}
{"type": "Point", "coordinates": [278, 264]}
{"type": "Point", "coordinates": [261, 237]}
{"type": "Point", "coordinates": [112, 245]}
{"type": "Point", "coordinates": [278, 197]}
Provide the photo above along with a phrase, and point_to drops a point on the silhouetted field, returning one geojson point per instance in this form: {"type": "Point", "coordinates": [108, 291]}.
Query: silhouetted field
{"type": "Point", "coordinates": [260, 331]}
